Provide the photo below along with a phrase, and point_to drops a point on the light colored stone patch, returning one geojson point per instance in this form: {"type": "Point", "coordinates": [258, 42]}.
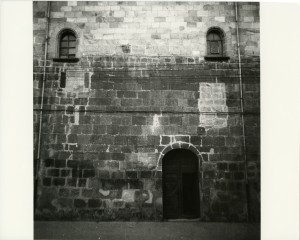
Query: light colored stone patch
{"type": "Point", "coordinates": [128, 195]}
{"type": "Point", "coordinates": [56, 14]}
{"type": "Point", "coordinates": [150, 197]}
{"type": "Point", "coordinates": [76, 115]}
{"type": "Point", "coordinates": [104, 193]}
{"type": "Point", "coordinates": [74, 80]}
{"type": "Point", "coordinates": [155, 122]}
{"type": "Point", "coordinates": [212, 105]}
{"type": "Point", "coordinates": [72, 3]}
{"type": "Point", "coordinates": [147, 159]}
{"type": "Point", "coordinates": [220, 19]}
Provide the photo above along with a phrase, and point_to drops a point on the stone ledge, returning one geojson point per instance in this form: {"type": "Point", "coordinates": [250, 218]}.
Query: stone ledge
{"type": "Point", "coordinates": [216, 59]}
{"type": "Point", "coordinates": [68, 60]}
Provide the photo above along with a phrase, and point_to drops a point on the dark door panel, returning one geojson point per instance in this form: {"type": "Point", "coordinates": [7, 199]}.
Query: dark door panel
{"type": "Point", "coordinates": [180, 185]}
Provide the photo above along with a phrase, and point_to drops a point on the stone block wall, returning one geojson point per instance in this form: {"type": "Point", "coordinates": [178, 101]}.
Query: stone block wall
{"type": "Point", "coordinates": [109, 119]}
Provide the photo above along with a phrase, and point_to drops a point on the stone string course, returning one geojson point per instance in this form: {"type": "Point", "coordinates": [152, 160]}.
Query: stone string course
{"type": "Point", "coordinates": [109, 118]}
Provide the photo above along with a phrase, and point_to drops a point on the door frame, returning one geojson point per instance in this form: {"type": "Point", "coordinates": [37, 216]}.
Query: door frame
{"type": "Point", "coordinates": [192, 148]}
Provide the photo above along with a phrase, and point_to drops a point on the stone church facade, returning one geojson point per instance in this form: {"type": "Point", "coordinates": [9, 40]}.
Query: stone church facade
{"type": "Point", "coordinates": [146, 111]}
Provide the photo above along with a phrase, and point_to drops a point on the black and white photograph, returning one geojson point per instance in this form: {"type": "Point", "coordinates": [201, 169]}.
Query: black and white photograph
{"type": "Point", "coordinates": [147, 112]}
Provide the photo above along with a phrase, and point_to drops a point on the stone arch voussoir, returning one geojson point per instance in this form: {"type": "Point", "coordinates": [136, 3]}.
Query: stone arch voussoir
{"type": "Point", "coordinates": [177, 145]}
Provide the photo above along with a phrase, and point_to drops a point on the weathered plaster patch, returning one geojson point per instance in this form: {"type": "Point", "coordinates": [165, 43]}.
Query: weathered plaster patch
{"type": "Point", "coordinates": [128, 195]}
{"type": "Point", "coordinates": [76, 115]}
{"type": "Point", "coordinates": [74, 80]}
{"type": "Point", "coordinates": [212, 105]}
{"type": "Point", "coordinates": [103, 192]}
{"type": "Point", "coordinates": [155, 122]}
{"type": "Point", "coordinates": [150, 197]}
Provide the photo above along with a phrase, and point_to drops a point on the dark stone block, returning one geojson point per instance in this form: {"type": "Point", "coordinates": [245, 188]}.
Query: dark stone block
{"type": "Point", "coordinates": [120, 140]}
{"type": "Point", "coordinates": [209, 174]}
{"type": "Point", "coordinates": [175, 120]}
{"type": "Point", "coordinates": [201, 131]}
{"type": "Point", "coordinates": [75, 193]}
{"type": "Point", "coordinates": [49, 163]}
{"type": "Point", "coordinates": [207, 141]}
{"type": "Point", "coordinates": [84, 119]}
{"type": "Point", "coordinates": [135, 183]}
{"type": "Point", "coordinates": [86, 164]}
{"type": "Point", "coordinates": [204, 157]}
{"type": "Point", "coordinates": [136, 130]}
{"type": "Point", "coordinates": [165, 140]}
{"type": "Point", "coordinates": [86, 80]}
{"type": "Point", "coordinates": [65, 172]}
{"type": "Point", "coordinates": [239, 175]}
{"type": "Point", "coordinates": [103, 174]}
{"type": "Point", "coordinates": [80, 101]}
{"type": "Point", "coordinates": [233, 166]}
{"type": "Point", "coordinates": [59, 181]}
{"type": "Point", "coordinates": [72, 182]}
{"type": "Point", "coordinates": [72, 138]}
{"type": "Point", "coordinates": [72, 163]}
{"type": "Point", "coordinates": [99, 129]}
{"type": "Point", "coordinates": [63, 192]}
{"type": "Point", "coordinates": [146, 174]}
{"type": "Point", "coordinates": [222, 166]}
{"type": "Point", "coordinates": [219, 141]}
{"type": "Point", "coordinates": [53, 172]}
{"type": "Point", "coordinates": [117, 175]}
{"type": "Point", "coordinates": [70, 110]}
{"type": "Point", "coordinates": [231, 187]}
{"type": "Point", "coordinates": [76, 173]}
{"type": "Point", "coordinates": [40, 14]}
{"type": "Point", "coordinates": [131, 140]}
{"type": "Point", "coordinates": [61, 138]}
{"type": "Point", "coordinates": [62, 79]}
{"type": "Point", "coordinates": [78, 155]}
{"type": "Point", "coordinates": [228, 175]}
{"type": "Point", "coordinates": [47, 182]}
{"type": "Point", "coordinates": [79, 203]}
{"type": "Point", "coordinates": [104, 156]}
{"type": "Point", "coordinates": [112, 184]}
{"type": "Point", "coordinates": [221, 185]}
{"type": "Point", "coordinates": [214, 157]}
{"type": "Point", "coordinates": [131, 174]}
{"type": "Point", "coordinates": [138, 120]}
{"type": "Point", "coordinates": [118, 156]}
{"type": "Point", "coordinates": [99, 101]}
{"type": "Point", "coordinates": [81, 182]}
{"type": "Point", "coordinates": [88, 173]}
{"type": "Point", "coordinates": [94, 203]}
{"type": "Point", "coordinates": [87, 193]}
{"type": "Point", "coordinates": [60, 163]}
{"type": "Point", "coordinates": [204, 149]}
{"type": "Point", "coordinates": [112, 130]}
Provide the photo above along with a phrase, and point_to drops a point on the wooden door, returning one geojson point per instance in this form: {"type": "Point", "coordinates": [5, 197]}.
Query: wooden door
{"type": "Point", "coordinates": [180, 185]}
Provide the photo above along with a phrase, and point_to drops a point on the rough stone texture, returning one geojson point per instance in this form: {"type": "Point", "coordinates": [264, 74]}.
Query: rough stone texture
{"type": "Point", "coordinates": [109, 118]}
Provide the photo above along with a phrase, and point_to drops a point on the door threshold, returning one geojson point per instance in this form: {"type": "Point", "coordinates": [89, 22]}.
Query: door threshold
{"type": "Point", "coordinates": [184, 220]}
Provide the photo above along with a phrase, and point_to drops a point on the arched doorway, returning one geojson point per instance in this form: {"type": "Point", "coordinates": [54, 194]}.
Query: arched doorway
{"type": "Point", "coordinates": [180, 184]}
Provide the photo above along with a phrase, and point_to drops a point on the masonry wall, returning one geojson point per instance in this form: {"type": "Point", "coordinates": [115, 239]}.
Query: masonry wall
{"type": "Point", "coordinates": [109, 118]}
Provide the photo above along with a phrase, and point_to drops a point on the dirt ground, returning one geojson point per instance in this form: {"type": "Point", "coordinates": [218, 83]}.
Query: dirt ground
{"type": "Point", "coordinates": [146, 230]}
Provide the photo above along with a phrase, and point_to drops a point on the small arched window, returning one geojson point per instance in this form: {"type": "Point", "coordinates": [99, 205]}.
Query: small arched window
{"type": "Point", "coordinates": [67, 45]}
{"type": "Point", "coordinates": [214, 43]}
